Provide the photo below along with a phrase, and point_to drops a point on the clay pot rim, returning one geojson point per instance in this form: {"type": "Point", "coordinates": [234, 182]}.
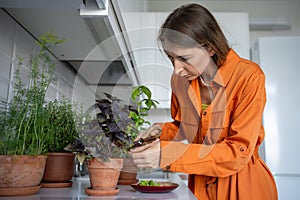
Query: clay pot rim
{"type": "Point", "coordinates": [17, 158]}
{"type": "Point", "coordinates": [60, 154]}
{"type": "Point", "coordinates": [115, 163]}
{"type": "Point", "coordinates": [22, 155]}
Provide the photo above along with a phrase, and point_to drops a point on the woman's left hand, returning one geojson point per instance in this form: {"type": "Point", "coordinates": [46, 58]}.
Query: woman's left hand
{"type": "Point", "coordinates": [147, 156]}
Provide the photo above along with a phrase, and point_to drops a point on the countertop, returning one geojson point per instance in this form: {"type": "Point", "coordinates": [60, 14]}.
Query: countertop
{"type": "Point", "coordinates": [126, 191]}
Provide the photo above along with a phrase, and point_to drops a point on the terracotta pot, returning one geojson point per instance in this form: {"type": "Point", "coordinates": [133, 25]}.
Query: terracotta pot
{"type": "Point", "coordinates": [104, 175]}
{"type": "Point", "coordinates": [59, 167]}
{"type": "Point", "coordinates": [21, 171]}
{"type": "Point", "coordinates": [128, 173]}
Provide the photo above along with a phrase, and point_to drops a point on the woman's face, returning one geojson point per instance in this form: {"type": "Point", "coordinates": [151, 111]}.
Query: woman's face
{"type": "Point", "coordinates": [187, 62]}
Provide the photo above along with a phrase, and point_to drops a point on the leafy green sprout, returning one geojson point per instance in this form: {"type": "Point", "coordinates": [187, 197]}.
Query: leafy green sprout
{"type": "Point", "coordinates": [148, 183]}
{"type": "Point", "coordinates": [143, 106]}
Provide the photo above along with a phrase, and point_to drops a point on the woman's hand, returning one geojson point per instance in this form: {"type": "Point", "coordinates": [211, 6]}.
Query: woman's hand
{"type": "Point", "coordinates": [147, 156]}
{"type": "Point", "coordinates": [154, 130]}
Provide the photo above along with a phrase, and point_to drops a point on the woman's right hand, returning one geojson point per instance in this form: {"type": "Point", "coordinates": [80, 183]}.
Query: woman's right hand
{"type": "Point", "coordinates": [153, 131]}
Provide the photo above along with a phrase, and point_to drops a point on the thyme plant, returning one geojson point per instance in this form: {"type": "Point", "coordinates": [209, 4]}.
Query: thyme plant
{"type": "Point", "coordinates": [64, 119]}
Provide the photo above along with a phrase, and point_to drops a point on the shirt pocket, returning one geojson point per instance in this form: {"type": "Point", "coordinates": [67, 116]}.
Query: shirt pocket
{"type": "Point", "coordinates": [189, 125]}
{"type": "Point", "coordinates": [219, 126]}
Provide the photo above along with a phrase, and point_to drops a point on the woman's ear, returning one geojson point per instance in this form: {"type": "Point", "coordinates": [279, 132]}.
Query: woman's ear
{"type": "Point", "coordinates": [211, 51]}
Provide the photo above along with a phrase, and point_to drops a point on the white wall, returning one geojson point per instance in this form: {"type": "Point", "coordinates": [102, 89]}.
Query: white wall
{"type": "Point", "coordinates": [15, 41]}
{"type": "Point", "coordinates": [261, 9]}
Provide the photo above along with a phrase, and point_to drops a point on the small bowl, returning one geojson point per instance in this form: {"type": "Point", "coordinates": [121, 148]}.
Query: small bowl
{"type": "Point", "coordinates": [162, 188]}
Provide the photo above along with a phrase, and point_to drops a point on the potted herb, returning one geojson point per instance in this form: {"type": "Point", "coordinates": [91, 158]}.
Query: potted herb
{"type": "Point", "coordinates": [140, 105]}
{"type": "Point", "coordinates": [63, 129]}
{"type": "Point", "coordinates": [110, 136]}
{"type": "Point", "coordinates": [106, 159]}
{"type": "Point", "coordinates": [122, 121]}
{"type": "Point", "coordinates": [23, 123]}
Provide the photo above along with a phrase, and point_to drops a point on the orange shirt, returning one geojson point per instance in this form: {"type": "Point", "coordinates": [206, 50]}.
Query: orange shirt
{"type": "Point", "coordinates": [221, 156]}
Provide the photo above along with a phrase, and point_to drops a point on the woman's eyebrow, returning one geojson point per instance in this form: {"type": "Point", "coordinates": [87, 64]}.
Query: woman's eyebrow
{"type": "Point", "coordinates": [184, 56]}
{"type": "Point", "coordinates": [176, 55]}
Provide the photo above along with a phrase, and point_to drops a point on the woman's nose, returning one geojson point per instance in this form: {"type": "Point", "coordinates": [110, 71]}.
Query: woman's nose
{"type": "Point", "coordinates": [177, 67]}
{"type": "Point", "coordinates": [177, 71]}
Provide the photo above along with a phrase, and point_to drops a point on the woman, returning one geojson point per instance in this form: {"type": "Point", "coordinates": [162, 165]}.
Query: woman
{"type": "Point", "coordinates": [217, 105]}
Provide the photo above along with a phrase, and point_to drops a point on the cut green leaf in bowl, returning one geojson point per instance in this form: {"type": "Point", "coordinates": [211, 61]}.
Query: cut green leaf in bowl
{"type": "Point", "coordinates": [150, 186]}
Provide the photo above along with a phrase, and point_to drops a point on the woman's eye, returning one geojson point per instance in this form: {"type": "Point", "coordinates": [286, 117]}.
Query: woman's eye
{"type": "Point", "coordinates": [183, 59]}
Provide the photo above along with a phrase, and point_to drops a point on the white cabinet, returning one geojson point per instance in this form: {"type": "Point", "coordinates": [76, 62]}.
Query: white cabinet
{"type": "Point", "coordinates": [235, 26]}
{"type": "Point", "coordinates": [151, 66]}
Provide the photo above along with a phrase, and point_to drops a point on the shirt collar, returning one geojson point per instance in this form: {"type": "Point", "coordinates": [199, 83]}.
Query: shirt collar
{"type": "Point", "coordinates": [226, 69]}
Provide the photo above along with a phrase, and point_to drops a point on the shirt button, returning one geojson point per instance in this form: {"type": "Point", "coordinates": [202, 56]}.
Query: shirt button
{"type": "Point", "coordinates": [168, 167]}
{"type": "Point", "coordinates": [204, 112]}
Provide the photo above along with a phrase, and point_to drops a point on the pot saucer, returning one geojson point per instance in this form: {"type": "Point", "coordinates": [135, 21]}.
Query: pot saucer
{"type": "Point", "coordinates": [56, 185]}
{"type": "Point", "coordinates": [92, 192]}
{"type": "Point", "coordinates": [19, 191]}
{"type": "Point", "coordinates": [127, 182]}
